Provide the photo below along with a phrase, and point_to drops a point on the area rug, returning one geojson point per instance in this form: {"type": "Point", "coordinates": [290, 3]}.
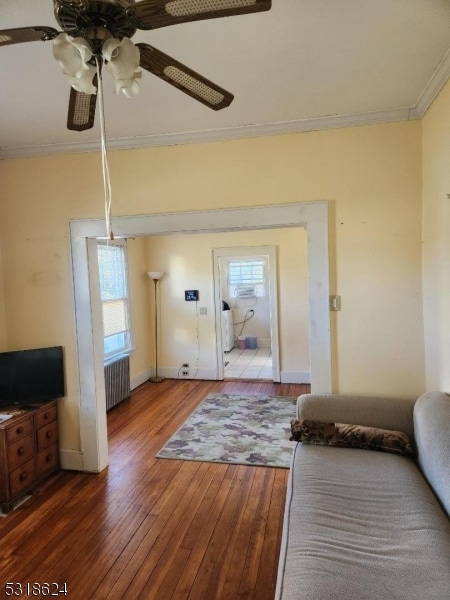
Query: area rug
{"type": "Point", "coordinates": [237, 429]}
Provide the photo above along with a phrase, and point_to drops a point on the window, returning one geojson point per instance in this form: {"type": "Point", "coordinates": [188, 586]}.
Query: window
{"type": "Point", "coordinates": [246, 278]}
{"type": "Point", "coordinates": [112, 266]}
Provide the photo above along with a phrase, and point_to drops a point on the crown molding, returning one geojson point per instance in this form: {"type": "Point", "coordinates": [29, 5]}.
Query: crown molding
{"type": "Point", "coordinates": [416, 112]}
{"type": "Point", "coordinates": [214, 135]}
{"type": "Point", "coordinates": [433, 87]}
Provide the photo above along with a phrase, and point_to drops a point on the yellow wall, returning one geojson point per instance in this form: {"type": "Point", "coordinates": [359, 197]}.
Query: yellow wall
{"type": "Point", "coordinates": [436, 241]}
{"type": "Point", "coordinates": [370, 175]}
{"type": "Point", "coordinates": [141, 357]}
{"type": "Point", "coordinates": [187, 262]}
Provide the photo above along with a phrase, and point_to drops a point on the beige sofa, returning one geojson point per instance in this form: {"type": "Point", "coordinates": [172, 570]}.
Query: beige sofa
{"type": "Point", "coordinates": [366, 525]}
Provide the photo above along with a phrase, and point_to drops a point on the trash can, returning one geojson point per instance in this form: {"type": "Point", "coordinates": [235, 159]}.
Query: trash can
{"type": "Point", "coordinates": [252, 342]}
{"type": "Point", "coordinates": [242, 342]}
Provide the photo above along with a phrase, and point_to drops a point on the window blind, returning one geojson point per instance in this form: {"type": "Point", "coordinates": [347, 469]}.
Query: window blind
{"type": "Point", "coordinates": [112, 266]}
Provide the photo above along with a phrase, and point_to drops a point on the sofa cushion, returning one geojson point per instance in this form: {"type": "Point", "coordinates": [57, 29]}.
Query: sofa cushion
{"type": "Point", "coordinates": [363, 526]}
{"type": "Point", "coordinates": [386, 413]}
{"type": "Point", "coordinates": [341, 435]}
{"type": "Point", "coordinates": [432, 435]}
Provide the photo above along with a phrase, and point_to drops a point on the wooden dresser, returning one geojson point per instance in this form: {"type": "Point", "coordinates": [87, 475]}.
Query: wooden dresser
{"type": "Point", "coordinates": [29, 451]}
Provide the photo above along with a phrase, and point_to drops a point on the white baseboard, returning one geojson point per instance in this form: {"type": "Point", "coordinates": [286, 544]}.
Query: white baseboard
{"type": "Point", "coordinates": [172, 373]}
{"type": "Point", "coordinates": [71, 460]}
{"type": "Point", "coordinates": [141, 378]}
{"type": "Point", "coordinates": [295, 377]}
{"type": "Point", "coordinates": [210, 374]}
{"type": "Point", "coordinates": [175, 373]}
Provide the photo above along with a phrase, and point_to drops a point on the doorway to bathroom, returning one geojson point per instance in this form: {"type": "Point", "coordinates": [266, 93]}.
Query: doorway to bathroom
{"type": "Point", "coordinates": [245, 284]}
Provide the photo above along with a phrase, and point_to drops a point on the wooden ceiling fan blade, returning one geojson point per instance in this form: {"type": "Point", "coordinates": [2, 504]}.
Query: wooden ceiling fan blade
{"type": "Point", "coordinates": [183, 78]}
{"type": "Point", "coordinates": [150, 14]}
{"type": "Point", "coordinates": [81, 115]}
{"type": "Point", "coordinates": [27, 34]}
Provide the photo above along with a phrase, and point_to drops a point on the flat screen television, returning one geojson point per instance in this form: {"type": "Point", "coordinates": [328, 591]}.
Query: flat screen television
{"type": "Point", "coordinates": [30, 376]}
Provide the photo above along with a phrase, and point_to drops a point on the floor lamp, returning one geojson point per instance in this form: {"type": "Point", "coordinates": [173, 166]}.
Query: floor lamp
{"type": "Point", "coordinates": [156, 276]}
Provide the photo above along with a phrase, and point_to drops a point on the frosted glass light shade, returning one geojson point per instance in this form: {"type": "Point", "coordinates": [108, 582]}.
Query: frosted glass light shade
{"type": "Point", "coordinates": [122, 62]}
{"type": "Point", "coordinates": [155, 274]}
{"type": "Point", "coordinates": [73, 56]}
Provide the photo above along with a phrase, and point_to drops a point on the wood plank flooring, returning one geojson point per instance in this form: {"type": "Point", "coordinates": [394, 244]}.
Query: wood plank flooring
{"type": "Point", "coordinates": [148, 528]}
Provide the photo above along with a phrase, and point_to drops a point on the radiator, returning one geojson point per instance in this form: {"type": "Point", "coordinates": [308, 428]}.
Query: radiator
{"type": "Point", "coordinates": [117, 380]}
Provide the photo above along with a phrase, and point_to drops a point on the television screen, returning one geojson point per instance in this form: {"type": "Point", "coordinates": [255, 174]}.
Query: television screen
{"type": "Point", "coordinates": [31, 375]}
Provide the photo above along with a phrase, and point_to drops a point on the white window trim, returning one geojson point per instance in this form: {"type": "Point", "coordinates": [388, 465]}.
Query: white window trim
{"type": "Point", "coordinates": [259, 287]}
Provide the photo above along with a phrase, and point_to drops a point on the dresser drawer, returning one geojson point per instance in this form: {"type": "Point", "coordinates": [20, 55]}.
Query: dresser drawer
{"type": "Point", "coordinates": [19, 430]}
{"type": "Point", "coordinates": [47, 435]}
{"type": "Point", "coordinates": [47, 460]}
{"type": "Point", "coordinates": [19, 452]}
{"type": "Point", "coordinates": [22, 478]}
{"type": "Point", "coordinates": [45, 416]}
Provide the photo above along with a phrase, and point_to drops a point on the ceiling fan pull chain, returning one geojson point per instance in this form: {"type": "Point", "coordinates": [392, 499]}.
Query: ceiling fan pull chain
{"type": "Point", "coordinates": [105, 166]}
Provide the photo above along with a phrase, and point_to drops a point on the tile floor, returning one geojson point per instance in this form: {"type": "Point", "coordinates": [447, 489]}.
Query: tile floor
{"type": "Point", "coordinates": [248, 364]}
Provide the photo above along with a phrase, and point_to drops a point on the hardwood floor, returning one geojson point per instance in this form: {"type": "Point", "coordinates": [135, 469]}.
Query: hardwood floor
{"type": "Point", "coordinates": [152, 528]}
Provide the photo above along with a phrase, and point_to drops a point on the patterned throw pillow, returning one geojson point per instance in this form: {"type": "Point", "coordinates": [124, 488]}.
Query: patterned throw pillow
{"type": "Point", "coordinates": [350, 436]}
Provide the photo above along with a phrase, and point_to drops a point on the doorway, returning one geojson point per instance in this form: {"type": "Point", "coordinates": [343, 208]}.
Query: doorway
{"type": "Point", "coordinates": [246, 299]}
{"type": "Point", "coordinates": [88, 318]}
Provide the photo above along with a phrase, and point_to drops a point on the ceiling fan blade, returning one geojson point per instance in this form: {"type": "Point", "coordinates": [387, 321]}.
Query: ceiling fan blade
{"type": "Point", "coordinates": [183, 78]}
{"type": "Point", "coordinates": [150, 14]}
{"type": "Point", "coordinates": [81, 113]}
{"type": "Point", "coordinates": [26, 34]}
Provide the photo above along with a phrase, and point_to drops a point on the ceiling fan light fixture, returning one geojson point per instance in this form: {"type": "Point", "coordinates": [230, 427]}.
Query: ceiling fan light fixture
{"type": "Point", "coordinates": [74, 56]}
{"type": "Point", "coordinates": [122, 62]}
{"type": "Point", "coordinates": [83, 81]}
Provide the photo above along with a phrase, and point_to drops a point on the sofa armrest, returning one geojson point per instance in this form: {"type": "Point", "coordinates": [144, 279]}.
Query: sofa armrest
{"type": "Point", "coordinates": [395, 414]}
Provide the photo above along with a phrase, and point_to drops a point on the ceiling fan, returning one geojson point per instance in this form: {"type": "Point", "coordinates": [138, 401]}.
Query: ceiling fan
{"type": "Point", "coordinates": [97, 32]}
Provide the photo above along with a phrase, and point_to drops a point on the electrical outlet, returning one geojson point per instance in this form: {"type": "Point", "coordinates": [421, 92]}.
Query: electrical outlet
{"type": "Point", "coordinates": [203, 310]}
{"type": "Point", "coordinates": [185, 365]}
{"type": "Point", "coordinates": [185, 372]}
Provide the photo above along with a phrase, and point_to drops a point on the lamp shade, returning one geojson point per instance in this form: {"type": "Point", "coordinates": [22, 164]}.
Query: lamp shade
{"type": "Point", "coordinates": [155, 274]}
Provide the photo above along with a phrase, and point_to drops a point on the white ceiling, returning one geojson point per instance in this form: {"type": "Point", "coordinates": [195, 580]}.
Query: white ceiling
{"type": "Point", "coordinates": [305, 64]}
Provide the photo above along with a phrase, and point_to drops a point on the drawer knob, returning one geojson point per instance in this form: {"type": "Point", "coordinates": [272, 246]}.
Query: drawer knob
{"type": "Point", "coordinates": [48, 435]}
{"type": "Point", "coordinates": [48, 458]}
{"type": "Point", "coordinates": [19, 430]}
{"type": "Point", "coordinates": [23, 476]}
{"type": "Point", "coordinates": [46, 415]}
{"type": "Point", "coordinates": [20, 450]}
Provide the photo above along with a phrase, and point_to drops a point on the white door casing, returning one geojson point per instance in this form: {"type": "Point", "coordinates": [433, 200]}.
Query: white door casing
{"type": "Point", "coordinates": [255, 251]}
{"type": "Point", "coordinates": [311, 215]}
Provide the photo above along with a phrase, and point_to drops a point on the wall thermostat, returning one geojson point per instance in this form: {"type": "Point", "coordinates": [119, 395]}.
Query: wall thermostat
{"type": "Point", "coordinates": [191, 295]}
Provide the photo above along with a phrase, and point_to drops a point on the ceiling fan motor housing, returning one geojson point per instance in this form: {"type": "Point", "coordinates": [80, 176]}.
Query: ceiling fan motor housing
{"type": "Point", "coordinates": [82, 17]}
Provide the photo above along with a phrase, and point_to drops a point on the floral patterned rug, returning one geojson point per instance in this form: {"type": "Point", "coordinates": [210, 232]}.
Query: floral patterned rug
{"type": "Point", "coordinates": [237, 429]}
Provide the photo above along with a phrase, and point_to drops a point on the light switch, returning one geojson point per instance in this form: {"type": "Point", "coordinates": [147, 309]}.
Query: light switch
{"type": "Point", "coordinates": [203, 310]}
{"type": "Point", "coordinates": [335, 303]}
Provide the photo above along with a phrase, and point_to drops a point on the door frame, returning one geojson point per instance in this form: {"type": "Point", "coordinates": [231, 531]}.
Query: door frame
{"type": "Point", "coordinates": [239, 251]}
{"type": "Point", "coordinates": [88, 323]}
